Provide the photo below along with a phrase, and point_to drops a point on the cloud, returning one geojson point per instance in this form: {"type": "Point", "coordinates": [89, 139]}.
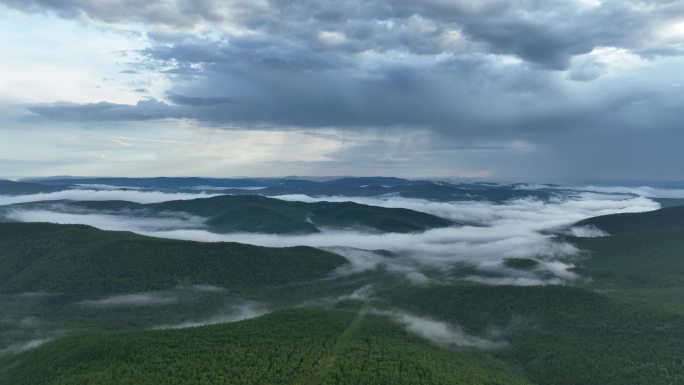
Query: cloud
{"type": "Point", "coordinates": [440, 333]}
{"type": "Point", "coordinates": [642, 191]}
{"type": "Point", "coordinates": [395, 66]}
{"type": "Point", "coordinates": [208, 288]}
{"type": "Point", "coordinates": [361, 294]}
{"type": "Point", "coordinates": [538, 215]}
{"type": "Point", "coordinates": [24, 346]}
{"type": "Point", "coordinates": [540, 80]}
{"type": "Point", "coordinates": [241, 310]}
{"type": "Point", "coordinates": [546, 33]}
{"type": "Point", "coordinates": [198, 100]}
{"type": "Point", "coordinates": [494, 232]}
{"type": "Point", "coordinates": [180, 293]}
{"type": "Point", "coordinates": [586, 232]}
{"type": "Point", "coordinates": [176, 13]}
{"type": "Point", "coordinates": [30, 319]}
{"type": "Point", "coordinates": [115, 222]}
{"type": "Point", "coordinates": [125, 300]}
{"type": "Point", "coordinates": [148, 109]}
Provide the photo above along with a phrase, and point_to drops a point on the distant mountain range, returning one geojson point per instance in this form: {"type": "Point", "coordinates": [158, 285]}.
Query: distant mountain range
{"type": "Point", "coordinates": [8, 187]}
{"type": "Point", "coordinates": [351, 187]}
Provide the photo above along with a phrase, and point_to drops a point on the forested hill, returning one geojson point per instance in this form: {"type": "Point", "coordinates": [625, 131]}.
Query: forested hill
{"type": "Point", "coordinates": [641, 260]}
{"type": "Point", "coordinates": [622, 327]}
{"type": "Point", "coordinates": [8, 187]}
{"type": "Point", "coordinates": [81, 259]}
{"type": "Point", "coordinates": [252, 213]}
{"type": "Point", "coordinates": [351, 187]}
{"type": "Point", "coordinates": [301, 346]}
{"type": "Point", "coordinates": [665, 218]}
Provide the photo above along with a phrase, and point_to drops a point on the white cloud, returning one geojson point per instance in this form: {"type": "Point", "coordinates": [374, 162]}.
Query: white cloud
{"type": "Point", "coordinates": [138, 299]}
{"type": "Point", "coordinates": [494, 232]}
{"type": "Point", "coordinates": [24, 346]}
{"type": "Point", "coordinates": [586, 232]}
{"type": "Point", "coordinates": [170, 147]}
{"type": "Point", "coordinates": [613, 191]}
{"type": "Point", "coordinates": [604, 61]}
{"type": "Point", "coordinates": [55, 60]}
{"type": "Point", "coordinates": [360, 294]}
{"type": "Point", "coordinates": [533, 214]}
{"type": "Point", "coordinates": [440, 333]}
{"type": "Point", "coordinates": [121, 222]}
{"type": "Point", "coordinates": [239, 311]}
{"type": "Point", "coordinates": [332, 38]}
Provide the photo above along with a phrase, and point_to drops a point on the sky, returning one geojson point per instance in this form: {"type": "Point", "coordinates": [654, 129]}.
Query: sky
{"type": "Point", "coordinates": [538, 90]}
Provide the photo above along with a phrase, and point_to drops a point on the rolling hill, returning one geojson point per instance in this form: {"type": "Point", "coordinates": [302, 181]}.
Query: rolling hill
{"type": "Point", "coordinates": [8, 187]}
{"type": "Point", "coordinates": [642, 260]}
{"type": "Point", "coordinates": [623, 326]}
{"type": "Point", "coordinates": [642, 250]}
{"type": "Point", "coordinates": [301, 346]}
{"type": "Point", "coordinates": [253, 213]}
{"type": "Point", "coordinates": [562, 335]}
{"type": "Point", "coordinates": [81, 259]}
{"type": "Point", "coordinates": [615, 224]}
{"type": "Point", "coordinates": [350, 187]}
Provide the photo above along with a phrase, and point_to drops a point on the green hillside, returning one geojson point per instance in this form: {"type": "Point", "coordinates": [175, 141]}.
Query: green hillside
{"type": "Point", "coordinates": [82, 259]}
{"type": "Point", "coordinates": [8, 187]}
{"type": "Point", "coordinates": [252, 213]}
{"type": "Point", "coordinates": [303, 346]}
{"type": "Point", "coordinates": [621, 325]}
{"type": "Point", "coordinates": [562, 335]}
{"type": "Point", "coordinates": [640, 259]}
{"type": "Point", "coordinates": [665, 218]}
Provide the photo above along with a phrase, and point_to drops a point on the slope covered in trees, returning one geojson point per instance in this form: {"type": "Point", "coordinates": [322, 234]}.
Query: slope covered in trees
{"type": "Point", "coordinates": [620, 324]}
{"type": "Point", "coordinates": [82, 259]}
{"type": "Point", "coordinates": [665, 218]}
{"type": "Point", "coordinates": [562, 335]}
{"type": "Point", "coordinates": [252, 213]}
{"type": "Point", "coordinates": [8, 187]}
{"type": "Point", "coordinates": [303, 346]}
{"type": "Point", "coordinates": [642, 258]}
{"type": "Point", "coordinates": [351, 187]}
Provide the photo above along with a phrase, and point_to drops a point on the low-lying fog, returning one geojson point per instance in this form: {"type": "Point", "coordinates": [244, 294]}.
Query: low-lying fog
{"type": "Point", "coordinates": [476, 251]}
{"type": "Point", "coordinates": [29, 320]}
{"type": "Point", "coordinates": [493, 232]}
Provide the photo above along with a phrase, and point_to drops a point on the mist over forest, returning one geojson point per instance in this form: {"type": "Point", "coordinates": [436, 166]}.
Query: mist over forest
{"type": "Point", "coordinates": [487, 278]}
{"type": "Point", "coordinates": [380, 192]}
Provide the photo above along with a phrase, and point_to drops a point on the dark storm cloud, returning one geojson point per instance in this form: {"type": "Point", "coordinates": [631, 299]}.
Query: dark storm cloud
{"type": "Point", "coordinates": [144, 110]}
{"type": "Point", "coordinates": [477, 74]}
{"type": "Point", "coordinates": [173, 13]}
{"type": "Point", "coordinates": [289, 83]}
{"type": "Point", "coordinates": [547, 33]}
{"type": "Point", "coordinates": [187, 100]}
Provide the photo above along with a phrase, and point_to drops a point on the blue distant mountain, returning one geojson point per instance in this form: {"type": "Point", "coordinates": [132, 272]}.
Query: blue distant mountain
{"type": "Point", "coordinates": [348, 186]}
{"type": "Point", "coordinates": [8, 187]}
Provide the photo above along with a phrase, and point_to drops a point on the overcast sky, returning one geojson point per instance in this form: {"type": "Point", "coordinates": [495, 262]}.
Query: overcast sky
{"type": "Point", "coordinates": [543, 90]}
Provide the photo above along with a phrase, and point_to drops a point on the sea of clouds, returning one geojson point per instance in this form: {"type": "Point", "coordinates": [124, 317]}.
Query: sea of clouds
{"type": "Point", "coordinates": [490, 232]}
